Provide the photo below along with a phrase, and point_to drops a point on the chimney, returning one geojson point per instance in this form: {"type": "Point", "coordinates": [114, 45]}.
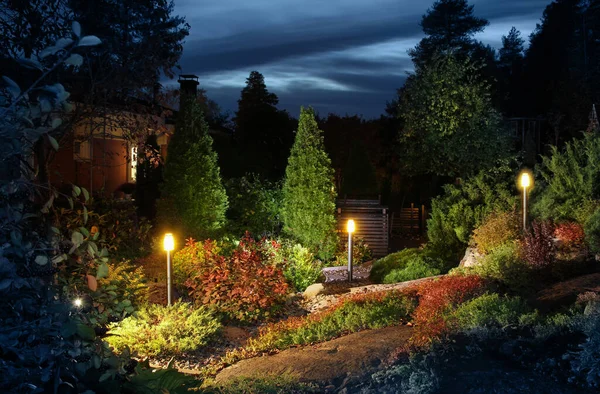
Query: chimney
{"type": "Point", "coordinates": [188, 86]}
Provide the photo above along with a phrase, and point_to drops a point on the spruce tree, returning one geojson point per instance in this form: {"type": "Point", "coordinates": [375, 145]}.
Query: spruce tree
{"type": "Point", "coordinates": [308, 209]}
{"type": "Point", "coordinates": [193, 200]}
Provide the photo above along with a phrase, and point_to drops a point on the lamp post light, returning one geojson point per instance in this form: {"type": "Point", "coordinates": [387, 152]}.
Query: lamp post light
{"type": "Point", "coordinates": [350, 228]}
{"type": "Point", "coordinates": [169, 245]}
{"type": "Point", "coordinates": [525, 182]}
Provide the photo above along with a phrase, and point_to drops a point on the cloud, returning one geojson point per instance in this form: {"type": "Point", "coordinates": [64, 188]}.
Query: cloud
{"type": "Point", "coordinates": [343, 56]}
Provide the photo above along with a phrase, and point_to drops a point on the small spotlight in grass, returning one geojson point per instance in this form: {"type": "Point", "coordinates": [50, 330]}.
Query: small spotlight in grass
{"type": "Point", "coordinates": [78, 302]}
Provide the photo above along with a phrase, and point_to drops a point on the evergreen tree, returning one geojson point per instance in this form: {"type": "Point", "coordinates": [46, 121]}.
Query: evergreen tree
{"type": "Point", "coordinates": [510, 65]}
{"type": "Point", "coordinates": [193, 199]}
{"type": "Point", "coordinates": [308, 209]}
{"type": "Point", "coordinates": [449, 26]}
{"type": "Point", "coordinates": [265, 134]}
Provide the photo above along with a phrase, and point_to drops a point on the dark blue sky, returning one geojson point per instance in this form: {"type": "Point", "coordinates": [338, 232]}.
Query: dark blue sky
{"type": "Point", "coordinates": [341, 56]}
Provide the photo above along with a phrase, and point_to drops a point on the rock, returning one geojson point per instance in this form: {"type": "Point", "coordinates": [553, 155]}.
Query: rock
{"type": "Point", "coordinates": [472, 258]}
{"type": "Point", "coordinates": [313, 290]}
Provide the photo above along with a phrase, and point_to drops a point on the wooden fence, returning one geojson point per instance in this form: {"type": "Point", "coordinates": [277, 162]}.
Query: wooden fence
{"type": "Point", "coordinates": [408, 221]}
{"type": "Point", "coordinates": [371, 220]}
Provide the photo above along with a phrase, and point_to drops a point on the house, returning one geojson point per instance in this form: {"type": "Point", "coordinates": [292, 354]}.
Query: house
{"type": "Point", "coordinates": [100, 153]}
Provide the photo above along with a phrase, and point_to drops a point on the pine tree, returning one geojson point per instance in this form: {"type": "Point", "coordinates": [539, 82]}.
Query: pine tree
{"type": "Point", "coordinates": [308, 209]}
{"type": "Point", "coordinates": [193, 200]}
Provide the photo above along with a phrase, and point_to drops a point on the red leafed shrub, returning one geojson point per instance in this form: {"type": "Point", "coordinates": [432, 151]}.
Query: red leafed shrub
{"type": "Point", "coordinates": [437, 299]}
{"type": "Point", "coordinates": [538, 248]}
{"type": "Point", "coordinates": [244, 287]}
{"type": "Point", "coordinates": [571, 234]}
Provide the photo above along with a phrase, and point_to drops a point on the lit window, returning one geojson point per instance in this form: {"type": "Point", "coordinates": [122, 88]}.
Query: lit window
{"type": "Point", "coordinates": [133, 165]}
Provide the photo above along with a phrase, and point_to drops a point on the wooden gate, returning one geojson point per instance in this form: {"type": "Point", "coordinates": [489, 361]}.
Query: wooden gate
{"type": "Point", "coordinates": [408, 221]}
{"type": "Point", "coordinates": [371, 220]}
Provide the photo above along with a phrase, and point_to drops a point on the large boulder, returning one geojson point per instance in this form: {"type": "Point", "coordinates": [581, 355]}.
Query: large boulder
{"type": "Point", "coordinates": [472, 258]}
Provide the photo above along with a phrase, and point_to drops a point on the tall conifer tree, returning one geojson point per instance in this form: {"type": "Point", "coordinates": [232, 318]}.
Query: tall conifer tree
{"type": "Point", "coordinates": [193, 197]}
{"type": "Point", "coordinates": [308, 210]}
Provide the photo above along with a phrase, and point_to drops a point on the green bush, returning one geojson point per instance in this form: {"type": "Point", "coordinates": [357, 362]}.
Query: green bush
{"type": "Point", "coordinates": [120, 293]}
{"type": "Point", "coordinates": [164, 330]}
{"type": "Point", "coordinates": [570, 184]}
{"type": "Point", "coordinates": [415, 269]}
{"type": "Point", "coordinates": [488, 310]}
{"type": "Point", "coordinates": [409, 264]}
{"type": "Point", "coordinates": [308, 206]}
{"type": "Point", "coordinates": [361, 252]}
{"type": "Point", "coordinates": [505, 265]}
{"type": "Point", "coordinates": [301, 268]}
{"type": "Point", "coordinates": [463, 207]}
{"type": "Point", "coordinates": [496, 229]}
{"type": "Point", "coordinates": [592, 231]}
{"type": "Point", "coordinates": [191, 259]}
{"type": "Point", "coordinates": [253, 205]}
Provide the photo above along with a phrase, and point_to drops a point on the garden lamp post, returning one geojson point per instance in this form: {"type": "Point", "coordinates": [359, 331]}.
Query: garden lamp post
{"type": "Point", "coordinates": [350, 228]}
{"type": "Point", "coordinates": [525, 181]}
{"type": "Point", "coordinates": [169, 245]}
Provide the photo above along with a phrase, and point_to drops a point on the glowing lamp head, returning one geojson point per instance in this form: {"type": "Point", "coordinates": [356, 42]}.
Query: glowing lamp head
{"type": "Point", "coordinates": [169, 242]}
{"type": "Point", "coordinates": [525, 180]}
{"type": "Point", "coordinates": [350, 227]}
{"type": "Point", "coordinates": [77, 302]}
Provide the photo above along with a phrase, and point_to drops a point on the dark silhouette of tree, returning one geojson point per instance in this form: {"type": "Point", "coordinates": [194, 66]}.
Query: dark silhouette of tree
{"type": "Point", "coordinates": [449, 26]}
{"type": "Point", "coordinates": [510, 66]}
{"type": "Point", "coordinates": [562, 66]}
{"type": "Point", "coordinates": [359, 177]}
{"type": "Point", "coordinates": [264, 133]}
{"type": "Point", "coordinates": [148, 178]}
{"type": "Point", "coordinates": [143, 38]}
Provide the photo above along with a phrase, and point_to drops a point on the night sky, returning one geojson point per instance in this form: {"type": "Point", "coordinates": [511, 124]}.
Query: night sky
{"type": "Point", "coordinates": [341, 56]}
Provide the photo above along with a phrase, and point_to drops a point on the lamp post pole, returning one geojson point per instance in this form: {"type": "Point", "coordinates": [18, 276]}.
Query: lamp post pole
{"type": "Point", "coordinates": [524, 208]}
{"type": "Point", "coordinates": [169, 297]}
{"type": "Point", "coordinates": [349, 257]}
{"type": "Point", "coordinates": [350, 228]}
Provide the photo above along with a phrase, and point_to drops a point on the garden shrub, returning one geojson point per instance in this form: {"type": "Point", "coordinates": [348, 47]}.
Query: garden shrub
{"type": "Point", "coordinates": [120, 293]}
{"type": "Point", "coordinates": [437, 300]}
{"type": "Point", "coordinates": [489, 309]}
{"type": "Point", "coordinates": [585, 362]}
{"type": "Point", "coordinates": [301, 268]}
{"type": "Point", "coordinates": [157, 330]}
{"type": "Point", "coordinates": [505, 264]}
{"type": "Point", "coordinates": [496, 229]}
{"type": "Point", "coordinates": [571, 234]}
{"type": "Point", "coordinates": [245, 287]}
{"type": "Point", "coordinates": [592, 231]}
{"type": "Point", "coordinates": [537, 247]}
{"type": "Point", "coordinates": [361, 252]}
{"type": "Point", "coordinates": [570, 181]}
{"type": "Point", "coordinates": [409, 264]}
{"type": "Point", "coordinates": [308, 205]}
{"type": "Point", "coordinates": [463, 207]}
{"type": "Point", "coordinates": [191, 259]}
{"type": "Point", "coordinates": [253, 205]}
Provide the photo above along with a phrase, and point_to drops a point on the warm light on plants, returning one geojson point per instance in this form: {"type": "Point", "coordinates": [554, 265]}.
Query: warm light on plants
{"type": "Point", "coordinates": [78, 302]}
{"type": "Point", "coordinates": [169, 242]}
{"type": "Point", "coordinates": [350, 226]}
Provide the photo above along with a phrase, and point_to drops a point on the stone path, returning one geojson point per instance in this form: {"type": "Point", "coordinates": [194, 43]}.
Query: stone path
{"type": "Point", "coordinates": [333, 364]}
